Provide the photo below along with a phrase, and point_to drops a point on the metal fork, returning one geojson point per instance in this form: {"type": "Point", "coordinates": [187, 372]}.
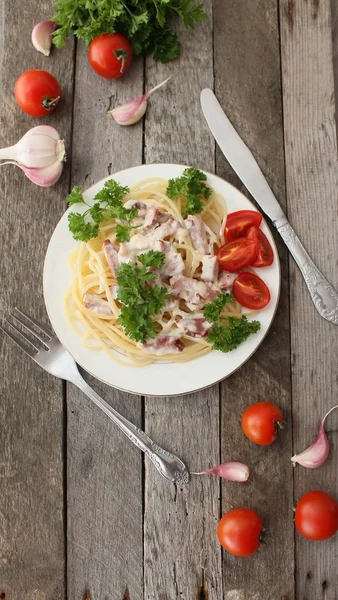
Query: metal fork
{"type": "Point", "coordinates": [47, 351]}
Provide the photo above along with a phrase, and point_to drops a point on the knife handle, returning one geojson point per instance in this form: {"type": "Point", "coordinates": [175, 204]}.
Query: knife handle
{"type": "Point", "coordinates": [324, 296]}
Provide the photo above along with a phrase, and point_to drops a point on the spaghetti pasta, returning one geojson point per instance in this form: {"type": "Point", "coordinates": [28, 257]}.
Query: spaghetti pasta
{"type": "Point", "coordinates": [92, 306]}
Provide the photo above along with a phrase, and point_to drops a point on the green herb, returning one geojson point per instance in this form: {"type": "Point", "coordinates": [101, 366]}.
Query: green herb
{"type": "Point", "coordinates": [227, 334]}
{"type": "Point", "coordinates": [140, 300]}
{"type": "Point", "coordinates": [143, 22]}
{"type": "Point", "coordinates": [108, 206]}
{"type": "Point", "coordinates": [213, 310]}
{"type": "Point", "coordinates": [191, 185]}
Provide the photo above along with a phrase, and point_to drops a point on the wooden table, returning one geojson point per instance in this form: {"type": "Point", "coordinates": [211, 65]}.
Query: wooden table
{"type": "Point", "coordinates": [80, 509]}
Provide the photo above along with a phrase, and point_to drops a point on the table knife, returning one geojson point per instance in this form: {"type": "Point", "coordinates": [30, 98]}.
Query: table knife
{"type": "Point", "coordinates": [324, 296]}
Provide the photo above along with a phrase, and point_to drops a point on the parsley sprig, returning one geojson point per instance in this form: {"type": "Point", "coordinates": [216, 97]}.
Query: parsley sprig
{"type": "Point", "coordinates": [108, 205]}
{"type": "Point", "coordinates": [143, 22]}
{"type": "Point", "coordinates": [226, 335]}
{"type": "Point", "coordinates": [191, 185]}
{"type": "Point", "coordinates": [140, 299]}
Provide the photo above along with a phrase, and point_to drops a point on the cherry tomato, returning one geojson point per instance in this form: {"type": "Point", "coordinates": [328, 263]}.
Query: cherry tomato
{"type": "Point", "coordinates": [251, 291]}
{"type": "Point", "coordinates": [260, 422]}
{"type": "Point", "coordinates": [37, 92]}
{"type": "Point", "coordinates": [316, 516]}
{"type": "Point", "coordinates": [239, 531]}
{"type": "Point", "coordinates": [110, 55]}
{"type": "Point", "coordinates": [265, 253]}
{"type": "Point", "coordinates": [239, 222]}
{"type": "Point", "coordinates": [237, 254]}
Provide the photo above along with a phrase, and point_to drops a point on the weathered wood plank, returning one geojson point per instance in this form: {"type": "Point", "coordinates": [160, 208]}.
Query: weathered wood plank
{"type": "Point", "coordinates": [181, 552]}
{"type": "Point", "coordinates": [248, 85]}
{"type": "Point", "coordinates": [32, 561]}
{"type": "Point", "coordinates": [105, 547]}
{"type": "Point", "coordinates": [312, 183]}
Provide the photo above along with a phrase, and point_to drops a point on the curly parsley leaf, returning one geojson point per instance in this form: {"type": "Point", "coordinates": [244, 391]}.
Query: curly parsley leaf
{"type": "Point", "coordinates": [140, 300]}
{"type": "Point", "coordinates": [191, 185]}
{"type": "Point", "coordinates": [75, 196]}
{"type": "Point", "coordinates": [152, 258]}
{"type": "Point", "coordinates": [143, 22]}
{"type": "Point", "coordinates": [81, 230]}
{"type": "Point", "coordinates": [228, 337]}
{"type": "Point", "coordinates": [108, 205]}
{"type": "Point", "coordinates": [212, 311]}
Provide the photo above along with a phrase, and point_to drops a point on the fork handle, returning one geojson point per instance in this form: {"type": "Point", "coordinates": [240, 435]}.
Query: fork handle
{"type": "Point", "coordinates": [167, 464]}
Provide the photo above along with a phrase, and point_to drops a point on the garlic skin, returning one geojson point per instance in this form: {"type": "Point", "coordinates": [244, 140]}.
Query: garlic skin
{"type": "Point", "coordinates": [40, 154]}
{"type": "Point", "coordinates": [232, 471]}
{"type": "Point", "coordinates": [133, 111]}
{"type": "Point", "coordinates": [316, 455]}
{"type": "Point", "coordinates": [42, 36]}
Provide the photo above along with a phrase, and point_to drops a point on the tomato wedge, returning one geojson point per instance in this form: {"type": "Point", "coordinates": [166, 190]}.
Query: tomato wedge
{"type": "Point", "coordinates": [239, 222]}
{"type": "Point", "coordinates": [265, 252]}
{"type": "Point", "coordinates": [238, 254]}
{"type": "Point", "coordinates": [251, 291]}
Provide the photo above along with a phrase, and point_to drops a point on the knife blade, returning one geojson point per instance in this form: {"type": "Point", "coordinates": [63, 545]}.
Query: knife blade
{"type": "Point", "coordinates": [239, 155]}
{"type": "Point", "coordinates": [324, 296]}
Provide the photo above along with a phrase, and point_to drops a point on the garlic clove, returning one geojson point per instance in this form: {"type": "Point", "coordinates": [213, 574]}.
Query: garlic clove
{"type": "Point", "coordinates": [130, 113]}
{"type": "Point", "coordinates": [42, 36]}
{"type": "Point", "coordinates": [43, 176]}
{"type": "Point", "coordinates": [314, 456]}
{"type": "Point", "coordinates": [133, 111]}
{"type": "Point", "coordinates": [232, 471]}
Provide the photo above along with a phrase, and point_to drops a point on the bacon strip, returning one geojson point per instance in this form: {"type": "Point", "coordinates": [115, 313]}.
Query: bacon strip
{"type": "Point", "coordinates": [96, 304]}
{"type": "Point", "coordinates": [198, 236]}
{"type": "Point", "coordinates": [163, 344]}
{"type": "Point", "coordinates": [209, 268]}
{"type": "Point", "coordinates": [110, 253]}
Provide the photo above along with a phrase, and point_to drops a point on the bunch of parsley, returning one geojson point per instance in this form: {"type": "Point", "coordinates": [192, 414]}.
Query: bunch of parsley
{"type": "Point", "coordinates": [143, 22]}
{"type": "Point", "coordinates": [108, 205]}
{"type": "Point", "coordinates": [140, 299]}
{"type": "Point", "coordinates": [191, 185]}
{"type": "Point", "coordinates": [229, 335]}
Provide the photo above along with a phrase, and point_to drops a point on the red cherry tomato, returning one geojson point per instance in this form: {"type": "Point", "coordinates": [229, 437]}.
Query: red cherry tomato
{"type": "Point", "coordinates": [260, 422]}
{"type": "Point", "coordinates": [110, 55]}
{"type": "Point", "coordinates": [265, 253]}
{"type": "Point", "coordinates": [251, 291]}
{"type": "Point", "coordinates": [316, 516]}
{"type": "Point", "coordinates": [239, 531]}
{"type": "Point", "coordinates": [237, 255]}
{"type": "Point", "coordinates": [239, 222]}
{"type": "Point", "coordinates": [37, 92]}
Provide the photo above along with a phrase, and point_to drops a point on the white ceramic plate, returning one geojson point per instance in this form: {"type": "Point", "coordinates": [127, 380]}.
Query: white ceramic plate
{"type": "Point", "coordinates": [159, 379]}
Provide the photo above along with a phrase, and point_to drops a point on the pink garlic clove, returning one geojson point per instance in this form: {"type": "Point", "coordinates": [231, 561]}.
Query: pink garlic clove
{"type": "Point", "coordinates": [133, 111]}
{"type": "Point", "coordinates": [316, 455]}
{"type": "Point", "coordinates": [42, 36]}
{"type": "Point", "coordinates": [43, 176]}
{"type": "Point", "coordinates": [232, 471]}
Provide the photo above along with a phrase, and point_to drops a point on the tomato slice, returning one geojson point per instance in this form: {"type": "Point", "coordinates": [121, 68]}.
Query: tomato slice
{"type": "Point", "coordinates": [251, 291]}
{"type": "Point", "coordinates": [238, 254]}
{"type": "Point", "coordinates": [265, 252]}
{"type": "Point", "coordinates": [240, 221]}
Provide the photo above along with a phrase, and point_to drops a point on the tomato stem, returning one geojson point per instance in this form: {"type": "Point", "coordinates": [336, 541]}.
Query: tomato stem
{"type": "Point", "coordinates": [49, 103]}
{"type": "Point", "coordinates": [279, 424]}
{"type": "Point", "coordinates": [121, 55]}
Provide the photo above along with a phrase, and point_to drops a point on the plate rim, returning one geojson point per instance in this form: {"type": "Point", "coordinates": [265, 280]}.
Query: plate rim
{"type": "Point", "coordinates": [114, 386]}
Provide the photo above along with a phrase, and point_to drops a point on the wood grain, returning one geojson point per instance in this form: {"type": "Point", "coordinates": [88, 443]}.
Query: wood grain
{"type": "Point", "coordinates": [312, 183]}
{"type": "Point", "coordinates": [182, 558]}
{"type": "Point", "coordinates": [32, 559]}
{"type": "Point", "coordinates": [248, 85]}
{"type": "Point", "coordinates": [105, 548]}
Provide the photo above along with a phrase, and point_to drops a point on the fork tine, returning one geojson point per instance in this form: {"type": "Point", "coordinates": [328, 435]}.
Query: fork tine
{"type": "Point", "coordinates": [43, 328]}
{"type": "Point", "coordinates": [17, 341]}
{"type": "Point", "coordinates": [31, 331]}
